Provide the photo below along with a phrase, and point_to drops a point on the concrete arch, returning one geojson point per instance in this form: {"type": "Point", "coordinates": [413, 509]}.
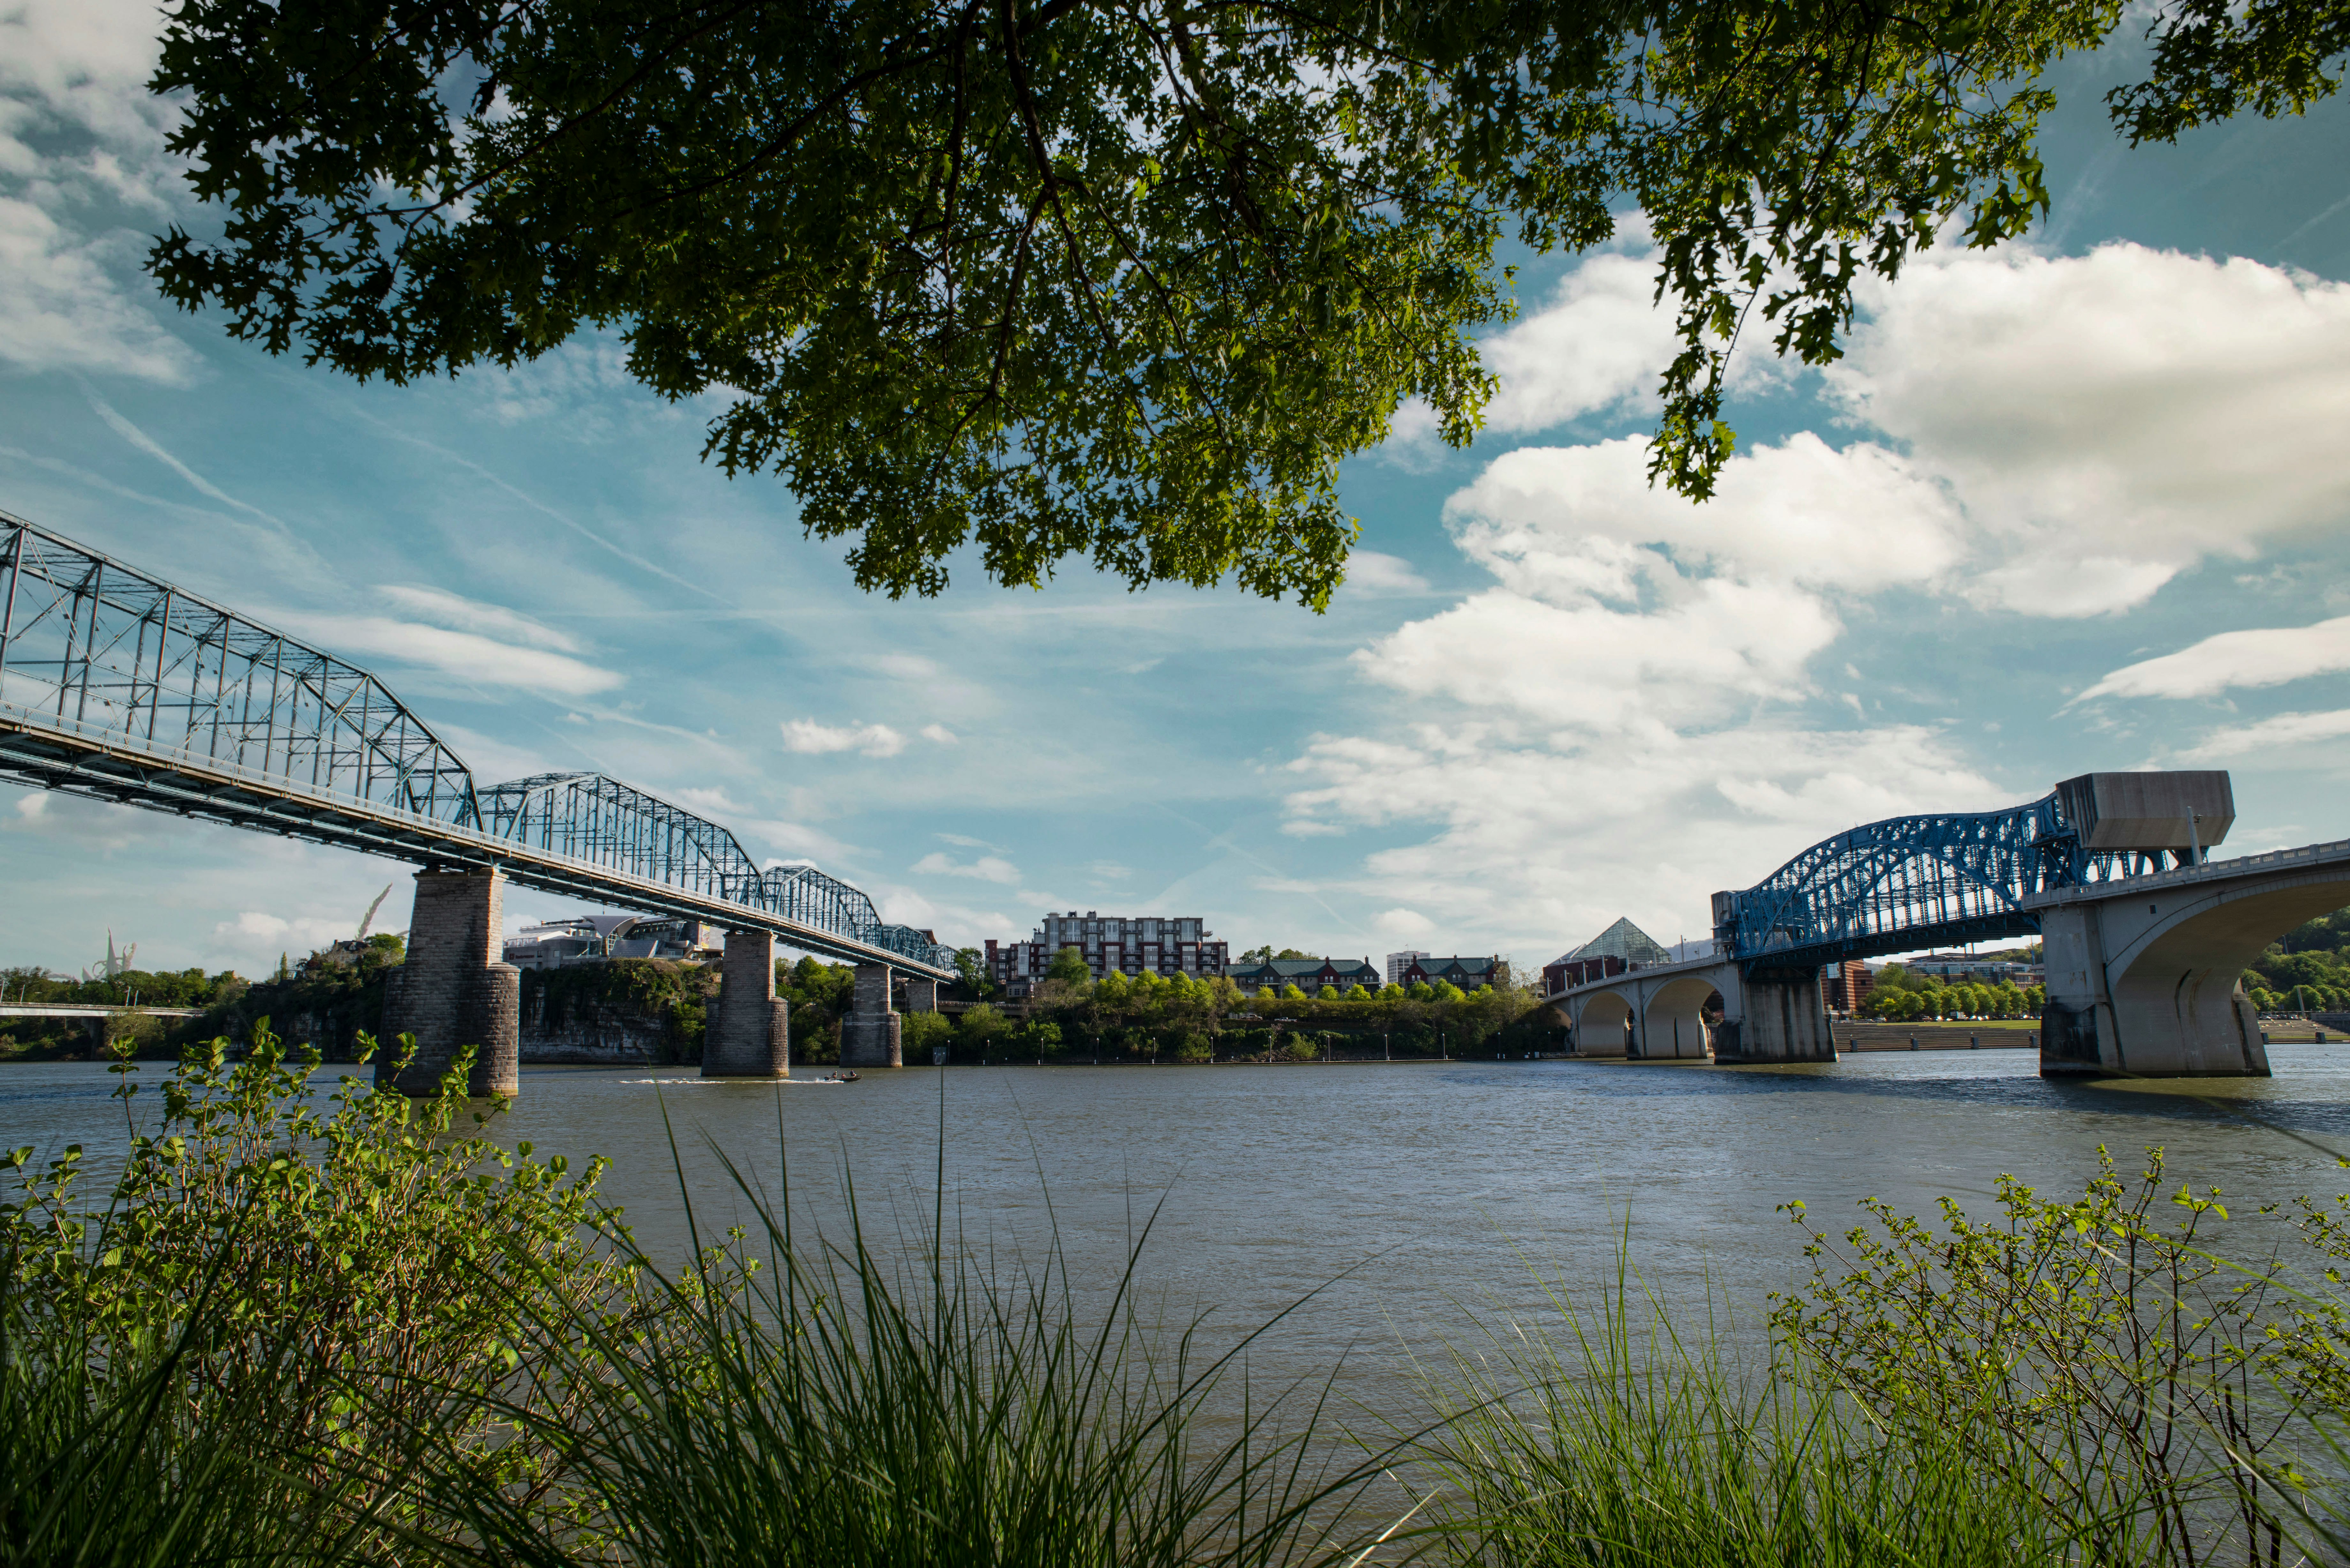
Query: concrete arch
{"type": "Point", "coordinates": [2148, 982]}
{"type": "Point", "coordinates": [1674, 1024]}
{"type": "Point", "coordinates": [1604, 1024]}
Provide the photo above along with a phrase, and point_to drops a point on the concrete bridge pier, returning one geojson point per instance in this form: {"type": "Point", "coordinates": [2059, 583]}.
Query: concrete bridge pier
{"type": "Point", "coordinates": [452, 991]}
{"type": "Point", "coordinates": [1773, 1018]}
{"type": "Point", "coordinates": [921, 995]}
{"type": "Point", "coordinates": [750, 1034]}
{"type": "Point", "coordinates": [2131, 993]}
{"type": "Point", "coordinates": [869, 1035]}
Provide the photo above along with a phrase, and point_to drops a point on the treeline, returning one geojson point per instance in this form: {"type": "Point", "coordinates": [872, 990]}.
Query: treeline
{"type": "Point", "coordinates": [1179, 1018]}
{"type": "Point", "coordinates": [2307, 968]}
{"type": "Point", "coordinates": [1900, 995]}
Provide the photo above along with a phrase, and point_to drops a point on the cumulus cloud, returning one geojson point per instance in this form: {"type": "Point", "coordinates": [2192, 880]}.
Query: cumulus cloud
{"type": "Point", "coordinates": [1403, 923]}
{"type": "Point", "coordinates": [2110, 419]}
{"type": "Point", "coordinates": [710, 803]}
{"type": "Point", "coordinates": [808, 738]}
{"type": "Point", "coordinates": [1601, 343]}
{"type": "Point", "coordinates": [2267, 655]}
{"type": "Point", "coordinates": [65, 305]}
{"type": "Point", "coordinates": [1536, 838]}
{"type": "Point", "coordinates": [986, 868]}
{"type": "Point", "coordinates": [939, 733]}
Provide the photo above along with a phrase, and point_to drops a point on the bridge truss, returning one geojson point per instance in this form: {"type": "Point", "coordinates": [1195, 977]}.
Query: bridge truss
{"type": "Point", "coordinates": [1909, 882]}
{"type": "Point", "coordinates": [117, 685]}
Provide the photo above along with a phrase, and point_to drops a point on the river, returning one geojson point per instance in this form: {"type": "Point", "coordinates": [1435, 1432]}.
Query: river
{"type": "Point", "coordinates": [1415, 1193]}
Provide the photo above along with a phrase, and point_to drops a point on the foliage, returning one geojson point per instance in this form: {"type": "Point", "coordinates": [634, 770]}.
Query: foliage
{"type": "Point", "coordinates": [971, 967]}
{"type": "Point", "coordinates": [1124, 283]}
{"type": "Point", "coordinates": [272, 1295]}
{"type": "Point", "coordinates": [172, 988]}
{"type": "Point", "coordinates": [1069, 966]}
{"type": "Point", "coordinates": [821, 995]}
{"type": "Point", "coordinates": [1266, 955]}
{"type": "Point", "coordinates": [1916, 997]}
{"type": "Point", "coordinates": [1605, 1439]}
{"type": "Point", "coordinates": [919, 1031]}
{"type": "Point", "coordinates": [2114, 1364]}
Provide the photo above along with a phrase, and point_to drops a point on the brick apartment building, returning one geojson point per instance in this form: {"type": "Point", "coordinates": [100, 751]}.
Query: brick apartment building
{"type": "Point", "coordinates": [1161, 944]}
{"type": "Point", "coordinates": [1468, 973]}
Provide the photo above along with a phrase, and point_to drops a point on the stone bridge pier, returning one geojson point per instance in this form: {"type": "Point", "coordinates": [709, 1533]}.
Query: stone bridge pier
{"type": "Point", "coordinates": [1773, 1017]}
{"type": "Point", "coordinates": [869, 1035]}
{"type": "Point", "coordinates": [452, 991]}
{"type": "Point", "coordinates": [750, 1035]}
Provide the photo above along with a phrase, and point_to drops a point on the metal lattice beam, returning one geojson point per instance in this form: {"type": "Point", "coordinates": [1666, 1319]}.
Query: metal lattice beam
{"type": "Point", "coordinates": [117, 685]}
{"type": "Point", "coordinates": [1908, 882]}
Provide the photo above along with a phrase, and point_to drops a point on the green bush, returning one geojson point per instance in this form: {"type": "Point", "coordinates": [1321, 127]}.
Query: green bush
{"type": "Point", "coordinates": [919, 1031]}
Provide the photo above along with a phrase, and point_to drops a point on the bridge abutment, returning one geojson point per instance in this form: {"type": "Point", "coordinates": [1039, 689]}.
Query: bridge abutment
{"type": "Point", "coordinates": [750, 1036]}
{"type": "Point", "coordinates": [452, 991]}
{"type": "Point", "coordinates": [869, 1035]}
{"type": "Point", "coordinates": [1775, 1020]}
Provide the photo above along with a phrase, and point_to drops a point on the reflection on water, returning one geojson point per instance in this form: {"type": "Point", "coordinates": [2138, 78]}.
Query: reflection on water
{"type": "Point", "coordinates": [1436, 1185]}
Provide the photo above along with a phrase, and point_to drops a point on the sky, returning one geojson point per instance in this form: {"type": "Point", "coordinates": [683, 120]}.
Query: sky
{"type": "Point", "coordinates": [2075, 505]}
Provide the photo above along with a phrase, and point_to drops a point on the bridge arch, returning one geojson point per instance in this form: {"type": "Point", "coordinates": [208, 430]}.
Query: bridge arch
{"type": "Point", "coordinates": [1604, 1024]}
{"type": "Point", "coordinates": [1673, 1025]}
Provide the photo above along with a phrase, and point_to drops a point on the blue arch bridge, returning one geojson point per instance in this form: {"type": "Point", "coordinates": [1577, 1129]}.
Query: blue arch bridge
{"type": "Point", "coordinates": [2144, 936]}
{"type": "Point", "coordinates": [117, 685]}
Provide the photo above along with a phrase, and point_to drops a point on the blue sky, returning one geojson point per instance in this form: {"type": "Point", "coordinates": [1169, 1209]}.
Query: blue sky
{"type": "Point", "coordinates": [2079, 504]}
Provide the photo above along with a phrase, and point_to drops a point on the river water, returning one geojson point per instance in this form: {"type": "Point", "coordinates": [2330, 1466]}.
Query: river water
{"type": "Point", "coordinates": [1419, 1195]}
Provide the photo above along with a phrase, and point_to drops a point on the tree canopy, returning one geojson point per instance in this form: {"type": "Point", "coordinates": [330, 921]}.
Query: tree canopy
{"type": "Point", "coordinates": [1123, 283]}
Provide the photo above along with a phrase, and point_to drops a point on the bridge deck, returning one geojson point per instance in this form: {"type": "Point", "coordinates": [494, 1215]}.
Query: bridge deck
{"type": "Point", "coordinates": [56, 752]}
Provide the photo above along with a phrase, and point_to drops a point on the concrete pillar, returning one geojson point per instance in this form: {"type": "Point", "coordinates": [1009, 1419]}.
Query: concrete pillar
{"type": "Point", "coordinates": [1775, 1019]}
{"type": "Point", "coordinates": [2179, 1010]}
{"type": "Point", "coordinates": [921, 995]}
{"type": "Point", "coordinates": [452, 991]}
{"type": "Point", "coordinates": [750, 1034]}
{"type": "Point", "coordinates": [869, 1035]}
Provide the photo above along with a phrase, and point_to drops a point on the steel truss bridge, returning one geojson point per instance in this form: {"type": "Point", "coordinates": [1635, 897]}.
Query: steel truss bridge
{"type": "Point", "coordinates": [119, 686]}
{"type": "Point", "coordinates": [1912, 882]}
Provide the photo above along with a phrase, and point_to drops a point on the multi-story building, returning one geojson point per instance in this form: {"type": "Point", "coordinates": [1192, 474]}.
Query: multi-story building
{"type": "Point", "coordinates": [1398, 962]}
{"type": "Point", "coordinates": [1161, 944]}
{"type": "Point", "coordinates": [1622, 946]}
{"type": "Point", "coordinates": [1311, 976]}
{"type": "Point", "coordinates": [1844, 986]}
{"type": "Point", "coordinates": [1468, 973]}
{"type": "Point", "coordinates": [1966, 968]}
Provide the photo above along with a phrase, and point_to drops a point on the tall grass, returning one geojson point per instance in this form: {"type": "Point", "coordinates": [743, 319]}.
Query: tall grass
{"type": "Point", "coordinates": [1603, 1437]}
{"type": "Point", "coordinates": [803, 1400]}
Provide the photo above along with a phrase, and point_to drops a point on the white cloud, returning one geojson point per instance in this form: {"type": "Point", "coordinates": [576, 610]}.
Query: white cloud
{"type": "Point", "coordinates": [1602, 343]}
{"type": "Point", "coordinates": [808, 738]}
{"type": "Point", "coordinates": [65, 306]}
{"type": "Point", "coordinates": [81, 140]}
{"type": "Point", "coordinates": [1403, 924]}
{"type": "Point", "coordinates": [455, 610]}
{"type": "Point", "coordinates": [710, 803]}
{"type": "Point", "coordinates": [2111, 418]}
{"type": "Point", "coordinates": [1369, 572]}
{"type": "Point", "coordinates": [1540, 841]}
{"type": "Point", "coordinates": [2267, 655]}
{"type": "Point", "coordinates": [466, 655]}
{"type": "Point", "coordinates": [986, 868]}
{"type": "Point", "coordinates": [794, 840]}
{"type": "Point", "coordinates": [939, 733]}
{"type": "Point", "coordinates": [2280, 733]}
{"type": "Point", "coordinates": [1569, 523]}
